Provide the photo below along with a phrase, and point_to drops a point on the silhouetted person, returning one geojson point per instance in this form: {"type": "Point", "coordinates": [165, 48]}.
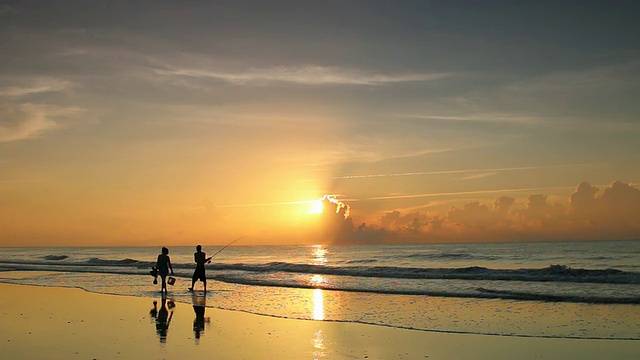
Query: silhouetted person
{"type": "Point", "coordinates": [163, 264]}
{"type": "Point", "coordinates": [199, 274]}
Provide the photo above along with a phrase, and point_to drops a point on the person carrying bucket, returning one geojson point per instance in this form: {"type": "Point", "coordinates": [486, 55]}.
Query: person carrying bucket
{"type": "Point", "coordinates": [163, 265]}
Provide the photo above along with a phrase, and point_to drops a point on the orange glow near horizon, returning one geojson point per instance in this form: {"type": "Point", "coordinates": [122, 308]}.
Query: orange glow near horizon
{"type": "Point", "coordinates": [209, 144]}
{"type": "Point", "coordinates": [586, 213]}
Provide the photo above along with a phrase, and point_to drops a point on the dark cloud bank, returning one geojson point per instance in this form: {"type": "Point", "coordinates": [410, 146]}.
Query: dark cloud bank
{"type": "Point", "coordinates": [612, 213]}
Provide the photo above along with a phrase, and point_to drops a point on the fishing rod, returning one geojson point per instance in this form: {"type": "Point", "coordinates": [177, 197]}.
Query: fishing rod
{"type": "Point", "coordinates": [224, 247]}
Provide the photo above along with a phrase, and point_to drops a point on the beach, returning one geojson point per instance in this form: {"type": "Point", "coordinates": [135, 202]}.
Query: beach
{"type": "Point", "coordinates": [65, 323]}
{"type": "Point", "coordinates": [319, 180]}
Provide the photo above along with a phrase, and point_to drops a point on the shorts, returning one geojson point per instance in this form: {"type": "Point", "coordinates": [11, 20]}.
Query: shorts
{"type": "Point", "coordinates": [163, 272]}
{"type": "Point", "coordinates": [199, 275]}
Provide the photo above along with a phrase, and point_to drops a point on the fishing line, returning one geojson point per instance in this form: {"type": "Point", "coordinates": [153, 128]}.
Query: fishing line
{"type": "Point", "coordinates": [224, 247]}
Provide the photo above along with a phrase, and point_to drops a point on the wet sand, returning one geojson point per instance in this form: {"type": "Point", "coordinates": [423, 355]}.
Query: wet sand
{"type": "Point", "coordinates": [62, 323]}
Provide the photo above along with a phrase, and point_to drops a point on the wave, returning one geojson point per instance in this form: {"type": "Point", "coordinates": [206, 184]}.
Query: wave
{"type": "Point", "coordinates": [127, 261]}
{"type": "Point", "coordinates": [557, 273]}
{"type": "Point", "coordinates": [610, 286]}
{"type": "Point", "coordinates": [552, 273]}
{"type": "Point", "coordinates": [524, 295]}
{"type": "Point", "coordinates": [482, 293]}
{"type": "Point", "coordinates": [364, 261]}
{"type": "Point", "coordinates": [439, 256]}
{"type": "Point", "coordinates": [55, 257]}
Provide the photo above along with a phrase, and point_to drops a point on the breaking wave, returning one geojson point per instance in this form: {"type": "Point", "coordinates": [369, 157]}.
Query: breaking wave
{"type": "Point", "coordinates": [556, 273]}
{"type": "Point", "coordinates": [552, 273]}
{"type": "Point", "coordinates": [552, 283]}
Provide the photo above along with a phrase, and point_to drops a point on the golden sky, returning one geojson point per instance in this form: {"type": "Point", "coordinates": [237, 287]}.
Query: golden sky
{"type": "Point", "coordinates": [165, 122]}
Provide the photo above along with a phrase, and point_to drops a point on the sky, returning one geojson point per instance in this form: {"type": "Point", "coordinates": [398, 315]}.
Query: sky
{"type": "Point", "coordinates": [182, 122]}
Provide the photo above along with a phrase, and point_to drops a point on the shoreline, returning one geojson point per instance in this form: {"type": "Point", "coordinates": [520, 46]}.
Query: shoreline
{"type": "Point", "coordinates": [60, 323]}
{"type": "Point", "coordinates": [434, 314]}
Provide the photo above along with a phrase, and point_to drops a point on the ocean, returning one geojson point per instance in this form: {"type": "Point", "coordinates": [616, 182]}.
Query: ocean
{"type": "Point", "coordinates": [543, 289]}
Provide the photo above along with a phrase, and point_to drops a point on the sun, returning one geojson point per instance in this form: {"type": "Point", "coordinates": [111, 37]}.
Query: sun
{"type": "Point", "coordinates": [316, 207]}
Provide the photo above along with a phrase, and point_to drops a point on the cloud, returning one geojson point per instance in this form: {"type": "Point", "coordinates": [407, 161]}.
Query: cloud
{"type": "Point", "coordinates": [583, 201]}
{"type": "Point", "coordinates": [20, 119]}
{"type": "Point", "coordinates": [412, 226]}
{"type": "Point", "coordinates": [618, 76]}
{"type": "Point", "coordinates": [476, 117]}
{"type": "Point", "coordinates": [305, 75]}
{"type": "Point", "coordinates": [30, 86]}
{"type": "Point", "coordinates": [472, 213]}
{"type": "Point", "coordinates": [503, 204]}
{"type": "Point", "coordinates": [621, 197]}
{"type": "Point", "coordinates": [588, 214]}
{"type": "Point", "coordinates": [336, 225]}
{"type": "Point", "coordinates": [538, 212]}
{"type": "Point", "coordinates": [617, 204]}
{"type": "Point", "coordinates": [613, 213]}
{"type": "Point", "coordinates": [570, 98]}
{"type": "Point", "coordinates": [19, 122]}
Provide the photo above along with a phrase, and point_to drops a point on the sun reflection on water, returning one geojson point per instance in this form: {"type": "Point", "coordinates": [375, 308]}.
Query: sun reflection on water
{"type": "Point", "coordinates": [319, 257]}
{"type": "Point", "coordinates": [319, 254]}
{"type": "Point", "coordinates": [318, 344]}
{"type": "Point", "coordinates": [317, 280]}
{"type": "Point", "coordinates": [318, 304]}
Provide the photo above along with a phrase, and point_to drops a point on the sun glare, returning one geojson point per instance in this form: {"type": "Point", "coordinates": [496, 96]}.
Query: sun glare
{"type": "Point", "coordinates": [317, 207]}
{"type": "Point", "coordinates": [318, 304]}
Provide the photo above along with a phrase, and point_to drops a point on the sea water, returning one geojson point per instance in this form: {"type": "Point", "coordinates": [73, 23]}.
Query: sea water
{"type": "Point", "coordinates": [550, 289]}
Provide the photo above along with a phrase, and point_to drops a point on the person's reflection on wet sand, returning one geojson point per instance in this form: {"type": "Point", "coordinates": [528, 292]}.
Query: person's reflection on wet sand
{"type": "Point", "coordinates": [162, 317]}
{"type": "Point", "coordinates": [198, 322]}
{"type": "Point", "coordinates": [154, 311]}
{"type": "Point", "coordinates": [199, 308]}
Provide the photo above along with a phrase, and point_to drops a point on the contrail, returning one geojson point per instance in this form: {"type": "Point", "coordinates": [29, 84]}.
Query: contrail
{"type": "Point", "coordinates": [478, 192]}
{"type": "Point", "coordinates": [444, 172]}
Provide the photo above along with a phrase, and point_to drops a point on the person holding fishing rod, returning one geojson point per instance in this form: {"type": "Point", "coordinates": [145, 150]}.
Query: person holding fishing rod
{"type": "Point", "coordinates": [200, 257]}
